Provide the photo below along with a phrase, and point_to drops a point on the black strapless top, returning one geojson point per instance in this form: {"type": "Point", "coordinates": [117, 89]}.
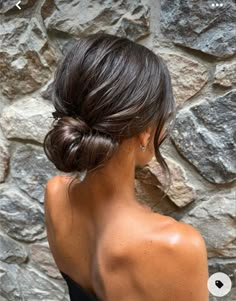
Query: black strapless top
{"type": "Point", "coordinates": [77, 292]}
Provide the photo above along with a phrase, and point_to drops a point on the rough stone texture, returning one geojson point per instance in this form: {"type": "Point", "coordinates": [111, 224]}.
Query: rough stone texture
{"type": "Point", "coordinates": [12, 251]}
{"type": "Point", "coordinates": [4, 156]}
{"type": "Point", "coordinates": [10, 5]}
{"type": "Point", "coordinates": [180, 192]}
{"type": "Point", "coordinates": [78, 16]}
{"type": "Point", "coordinates": [205, 135]}
{"type": "Point", "coordinates": [197, 25]}
{"type": "Point", "coordinates": [17, 285]}
{"type": "Point", "coordinates": [25, 56]}
{"type": "Point", "coordinates": [31, 41]}
{"type": "Point", "coordinates": [29, 118]}
{"type": "Point", "coordinates": [151, 195]}
{"type": "Point", "coordinates": [3, 102]}
{"type": "Point", "coordinates": [187, 75]}
{"type": "Point", "coordinates": [225, 74]}
{"type": "Point", "coordinates": [125, 17]}
{"type": "Point", "coordinates": [215, 219]}
{"type": "Point", "coordinates": [42, 257]}
{"type": "Point", "coordinates": [20, 218]}
{"type": "Point", "coordinates": [31, 177]}
{"type": "Point", "coordinates": [47, 91]}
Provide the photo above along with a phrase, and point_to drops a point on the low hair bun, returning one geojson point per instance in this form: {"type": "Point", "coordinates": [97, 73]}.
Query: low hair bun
{"type": "Point", "coordinates": [120, 87]}
{"type": "Point", "coordinates": [72, 146]}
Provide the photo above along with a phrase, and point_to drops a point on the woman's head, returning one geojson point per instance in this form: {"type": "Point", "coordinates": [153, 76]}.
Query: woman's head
{"type": "Point", "coordinates": [108, 89]}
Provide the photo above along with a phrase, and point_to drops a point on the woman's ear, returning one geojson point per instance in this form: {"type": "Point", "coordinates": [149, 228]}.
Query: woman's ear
{"type": "Point", "coordinates": [145, 136]}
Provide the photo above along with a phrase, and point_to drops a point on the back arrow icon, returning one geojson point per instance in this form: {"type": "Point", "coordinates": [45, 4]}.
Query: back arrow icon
{"type": "Point", "coordinates": [17, 4]}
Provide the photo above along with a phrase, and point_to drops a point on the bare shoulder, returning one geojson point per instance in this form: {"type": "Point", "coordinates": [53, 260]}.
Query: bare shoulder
{"type": "Point", "coordinates": [185, 264]}
{"type": "Point", "coordinates": [183, 235]}
{"type": "Point", "coordinates": [171, 236]}
{"type": "Point", "coordinates": [168, 265]}
{"type": "Point", "coordinates": [191, 235]}
{"type": "Point", "coordinates": [178, 263]}
{"type": "Point", "coordinates": [54, 199]}
{"type": "Point", "coordinates": [56, 181]}
{"type": "Point", "coordinates": [188, 247]}
{"type": "Point", "coordinates": [55, 188]}
{"type": "Point", "coordinates": [51, 188]}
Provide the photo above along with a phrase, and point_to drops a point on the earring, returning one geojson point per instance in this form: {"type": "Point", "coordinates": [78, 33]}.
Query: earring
{"type": "Point", "coordinates": [143, 148]}
{"type": "Point", "coordinates": [83, 175]}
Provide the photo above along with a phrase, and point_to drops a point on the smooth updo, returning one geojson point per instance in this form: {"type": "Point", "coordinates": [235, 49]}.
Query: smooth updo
{"type": "Point", "coordinates": [73, 146]}
{"type": "Point", "coordinates": [106, 89]}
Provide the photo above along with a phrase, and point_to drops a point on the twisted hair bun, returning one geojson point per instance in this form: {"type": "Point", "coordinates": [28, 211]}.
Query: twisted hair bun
{"type": "Point", "coordinates": [119, 88]}
{"type": "Point", "coordinates": [73, 146]}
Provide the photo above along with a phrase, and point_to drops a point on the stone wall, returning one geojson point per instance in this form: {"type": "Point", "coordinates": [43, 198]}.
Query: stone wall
{"type": "Point", "coordinates": [197, 39]}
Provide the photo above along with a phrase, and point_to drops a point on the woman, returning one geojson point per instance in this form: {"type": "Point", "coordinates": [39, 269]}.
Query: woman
{"type": "Point", "coordinates": [113, 101]}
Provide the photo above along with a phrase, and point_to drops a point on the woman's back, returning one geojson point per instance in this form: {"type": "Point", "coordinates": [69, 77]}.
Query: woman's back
{"type": "Point", "coordinates": [129, 254]}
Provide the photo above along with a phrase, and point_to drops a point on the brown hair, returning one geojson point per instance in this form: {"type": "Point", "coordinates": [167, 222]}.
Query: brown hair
{"type": "Point", "coordinates": [107, 88]}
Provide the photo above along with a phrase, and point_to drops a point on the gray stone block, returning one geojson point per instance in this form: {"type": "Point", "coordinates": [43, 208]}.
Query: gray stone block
{"type": "Point", "coordinates": [199, 25]}
{"type": "Point", "coordinates": [205, 135]}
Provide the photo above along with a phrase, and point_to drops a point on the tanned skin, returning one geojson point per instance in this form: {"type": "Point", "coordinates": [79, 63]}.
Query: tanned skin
{"type": "Point", "coordinates": [116, 248]}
